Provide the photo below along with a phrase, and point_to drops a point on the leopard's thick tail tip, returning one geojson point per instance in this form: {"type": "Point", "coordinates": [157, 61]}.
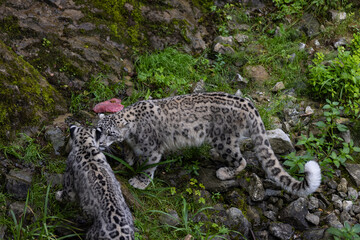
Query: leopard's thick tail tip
{"type": "Point", "coordinates": [313, 176]}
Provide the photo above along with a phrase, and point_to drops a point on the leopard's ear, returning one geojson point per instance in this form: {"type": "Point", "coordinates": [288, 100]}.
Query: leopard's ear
{"type": "Point", "coordinates": [98, 133]}
{"type": "Point", "coordinates": [72, 130]}
{"type": "Point", "coordinates": [101, 116]}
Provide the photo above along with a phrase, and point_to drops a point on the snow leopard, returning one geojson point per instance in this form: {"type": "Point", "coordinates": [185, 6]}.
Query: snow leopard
{"type": "Point", "coordinates": [89, 179]}
{"type": "Point", "coordinates": [152, 127]}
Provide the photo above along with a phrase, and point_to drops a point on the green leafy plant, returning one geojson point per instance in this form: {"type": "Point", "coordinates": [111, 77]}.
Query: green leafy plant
{"type": "Point", "coordinates": [330, 149]}
{"type": "Point", "coordinates": [195, 190]}
{"type": "Point", "coordinates": [346, 233]}
{"type": "Point", "coordinates": [340, 79]}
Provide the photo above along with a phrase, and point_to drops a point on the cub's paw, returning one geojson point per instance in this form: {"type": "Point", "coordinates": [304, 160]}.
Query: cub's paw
{"type": "Point", "coordinates": [58, 196]}
{"type": "Point", "coordinates": [224, 173]}
{"type": "Point", "coordinates": [139, 182]}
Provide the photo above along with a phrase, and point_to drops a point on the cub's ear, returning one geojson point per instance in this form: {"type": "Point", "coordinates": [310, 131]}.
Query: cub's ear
{"type": "Point", "coordinates": [101, 115]}
{"type": "Point", "coordinates": [72, 130]}
{"type": "Point", "coordinates": [98, 133]}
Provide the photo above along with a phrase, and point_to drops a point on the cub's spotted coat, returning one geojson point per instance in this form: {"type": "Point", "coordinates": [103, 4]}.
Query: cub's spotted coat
{"type": "Point", "coordinates": [152, 127]}
{"type": "Point", "coordinates": [90, 179]}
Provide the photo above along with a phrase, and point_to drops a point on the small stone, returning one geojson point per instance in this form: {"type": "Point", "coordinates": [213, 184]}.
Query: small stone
{"type": "Point", "coordinates": [18, 209]}
{"type": "Point", "coordinates": [356, 209]}
{"type": "Point", "coordinates": [302, 46]}
{"type": "Point", "coordinates": [281, 230]}
{"type": "Point", "coordinates": [313, 203]}
{"type": "Point", "coordinates": [239, 93]}
{"type": "Point", "coordinates": [340, 42]}
{"type": "Point", "coordinates": [352, 194]}
{"type": "Point", "coordinates": [257, 73]}
{"type": "Point", "coordinates": [57, 139]}
{"type": "Point", "coordinates": [241, 38]}
{"type": "Point", "coordinates": [342, 187]}
{"type": "Point", "coordinates": [256, 189]}
{"type": "Point", "coordinates": [345, 217]}
{"type": "Point", "coordinates": [332, 184]}
{"type": "Point", "coordinates": [171, 218]}
{"type": "Point", "coordinates": [270, 215]}
{"type": "Point", "coordinates": [314, 234]}
{"type": "Point", "coordinates": [337, 16]}
{"type": "Point", "coordinates": [279, 141]}
{"type": "Point", "coordinates": [219, 48]}
{"type": "Point", "coordinates": [312, 218]}
{"type": "Point", "coordinates": [262, 235]}
{"type": "Point", "coordinates": [238, 221]}
{"type": "Point", "coordinates": [310, 50]}
{"type": "Point", "coordinates": [309, 110]}
{"type": "Point", "coordinates": [224, 40]}
{"type": "Point", "coordinates": [55, 179]}
{"type": "Point", "coordinates": [199, 87]}
{"type": "Point", "coordinates": [347, 205]}
{"type": "Point", "coordinates": [278, 87]}
{"type": "Point", "coordinates": [253, 215]}
{"type": "Point", "coordinates": [338, 204]}
{"type": "Point", "coordinates": [333, 220]}
{"type": "Point", "coordinates": [317, 43]}
{"type": "Point", "coordinates": [240, 79]}
{"type": "Point", "coordinates": [343, 195]}
{"type": "Point", "coordinates": [354, 171]}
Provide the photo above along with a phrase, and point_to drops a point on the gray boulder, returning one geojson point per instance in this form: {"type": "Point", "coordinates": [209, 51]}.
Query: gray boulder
{"type": "Point", "coordinates": [295, 214]}
{"type": "Point", "coordinates": [18, 183]}
{"type": "Point", "coordinates": [279, 141]}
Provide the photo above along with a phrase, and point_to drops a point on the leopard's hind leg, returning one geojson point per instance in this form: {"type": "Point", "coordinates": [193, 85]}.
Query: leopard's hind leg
{"type": "Point", "coordinates": [229, 151]}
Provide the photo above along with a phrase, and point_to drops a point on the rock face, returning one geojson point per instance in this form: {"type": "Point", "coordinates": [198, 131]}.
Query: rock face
{"type": "Point", "coordinates": [26, 98]}
{"type": "Point", "coordinates": [18, 183]}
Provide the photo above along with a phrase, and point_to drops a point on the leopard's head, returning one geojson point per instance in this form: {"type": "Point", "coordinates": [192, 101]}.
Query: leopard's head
{"type": "Point", "coordinates": [85, 136]}
{"type": "Point", "coordinates": [114, 128]}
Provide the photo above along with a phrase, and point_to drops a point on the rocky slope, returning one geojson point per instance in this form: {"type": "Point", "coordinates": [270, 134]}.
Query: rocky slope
{"type": "Point", "coordinates": [51, 49]}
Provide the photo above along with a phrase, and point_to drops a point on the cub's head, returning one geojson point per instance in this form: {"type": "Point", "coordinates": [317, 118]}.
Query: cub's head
{"type": "Point", "coordinates": [115, 129]}
{"type": "Point", "coordinates": [85, 136]}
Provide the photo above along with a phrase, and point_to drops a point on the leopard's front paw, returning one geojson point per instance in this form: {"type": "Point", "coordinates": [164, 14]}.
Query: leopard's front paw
{"type": "Point", "coordinates": [58, 196]}
{"type": "Point", "coordinates": [224, 173]}
{"type": "Point", "coordinates": [139, 181]}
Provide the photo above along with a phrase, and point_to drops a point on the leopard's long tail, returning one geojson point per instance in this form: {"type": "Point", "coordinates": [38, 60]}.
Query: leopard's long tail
{"type": "Point", "coordinates": [274, 170]}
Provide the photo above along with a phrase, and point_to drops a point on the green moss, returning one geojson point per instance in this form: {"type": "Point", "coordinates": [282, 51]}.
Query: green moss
{"type": "Point", "coordinates": [124, 25]}
{"type": "Point", "coordinates": [26, 98]}
{"type": "Point", "coordinates": [203, 5]}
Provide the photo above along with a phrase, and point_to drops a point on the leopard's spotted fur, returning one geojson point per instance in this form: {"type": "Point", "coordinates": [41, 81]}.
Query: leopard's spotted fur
{"type": "Point", "coordinates": [90, 180]}
{"type": "Point", "coordinates": [154, 126]}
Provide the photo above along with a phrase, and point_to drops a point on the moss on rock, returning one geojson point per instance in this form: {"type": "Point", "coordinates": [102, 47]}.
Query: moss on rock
{"type": "Point", "coordinates": [27, 100]}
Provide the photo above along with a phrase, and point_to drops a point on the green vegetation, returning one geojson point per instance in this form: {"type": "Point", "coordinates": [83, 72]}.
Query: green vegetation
{"type": "Point", "coordinates": [340, 79]}
{"type": "Point", "coordinates": [168, 72]}
{"type": "Point", "coordinates": [41, 217]}
{"type": "Point", "coordinates": [348, 232]}
{"type": "Point", "coordinates": [329, 148]}
{"type": "Point", "coordinates": [24, 148]}
{"type": "Point", "coordinates": [95, 91]}
{"type": "Point", "coordinates": [297, 7]}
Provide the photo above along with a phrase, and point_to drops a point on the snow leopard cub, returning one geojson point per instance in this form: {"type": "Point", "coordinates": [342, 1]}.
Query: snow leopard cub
{"type": "Point", "coordinates": [90, 180]}
{"type": "Point", "coordinates": [153, 127]}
